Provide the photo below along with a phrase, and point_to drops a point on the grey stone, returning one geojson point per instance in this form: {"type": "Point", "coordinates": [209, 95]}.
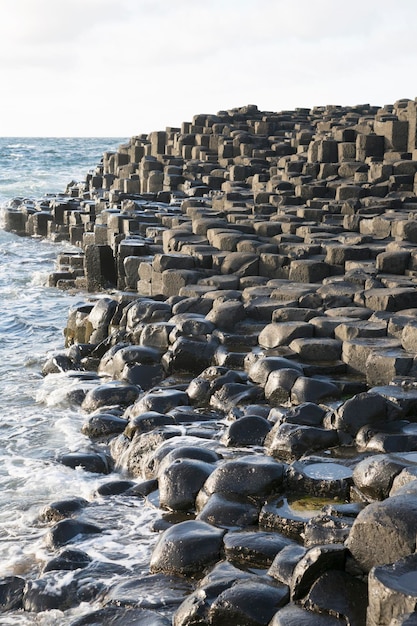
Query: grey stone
{"type": "Point", "coordinates": [364, 409]}
{"type": "Point", "coordinates": [317, 349]}
{"type": "Point", "coordinates": [279, 334]}
{"type": "Point", "coordinates": [248, 602]}
{"type": "Point", "coordinates": [392, 590]}
{"type": "Point", "coordinates": [291, 441]}
{"type": "Point", "coordinates": [384, 532]}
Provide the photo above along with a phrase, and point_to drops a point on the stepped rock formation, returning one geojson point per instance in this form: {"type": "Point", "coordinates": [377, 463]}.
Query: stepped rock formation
{"type": "Point", "coordinates": [257, 333]}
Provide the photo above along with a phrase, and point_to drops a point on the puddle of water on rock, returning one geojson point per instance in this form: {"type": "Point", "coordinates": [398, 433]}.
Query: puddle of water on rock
{"type": "Point", "coordinates": [327, 471]}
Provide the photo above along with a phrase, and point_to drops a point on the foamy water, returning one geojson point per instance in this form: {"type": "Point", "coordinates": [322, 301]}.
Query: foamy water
{"type": "Point", "coordinates": [38, 423]}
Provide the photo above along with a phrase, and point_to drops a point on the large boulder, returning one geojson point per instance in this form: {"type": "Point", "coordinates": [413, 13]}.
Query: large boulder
{"type": "Point", "coordinates": [187, 548]}
{"type": "Point", "coordinates": [384, 531]}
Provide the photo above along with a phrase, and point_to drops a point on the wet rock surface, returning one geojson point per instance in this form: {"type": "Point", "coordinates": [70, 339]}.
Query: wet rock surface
{"type": "Point", "coordinates": [245, 364]}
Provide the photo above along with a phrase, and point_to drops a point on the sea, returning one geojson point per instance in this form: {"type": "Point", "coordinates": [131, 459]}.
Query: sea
{"type": "Point", "coordinates": [37, 423]}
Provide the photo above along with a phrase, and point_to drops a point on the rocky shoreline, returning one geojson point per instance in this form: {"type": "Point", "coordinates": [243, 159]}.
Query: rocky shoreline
{"type": "Point", "coordinates": [247, 364]}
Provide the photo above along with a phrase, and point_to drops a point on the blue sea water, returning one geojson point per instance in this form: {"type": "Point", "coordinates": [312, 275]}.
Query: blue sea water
{"type": "Point", "coordinates": [36, 422]}
{"type": "Point", "coordinates": [32, 167]}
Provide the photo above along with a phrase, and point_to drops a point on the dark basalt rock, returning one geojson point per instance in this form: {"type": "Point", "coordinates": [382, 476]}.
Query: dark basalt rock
{"type": "Point", "coordinates": [295, 615]}
{"type": "Point", "coordinates": [61, 509]}
{"type": "Point", "coordinates": [374, 475]}
{"type": "Point", "coordinates": [227, 510]}
{"type": "Point", "coordinates": [283, 565]}
{"type": "Point", "coordinates": [210, 380]}
{"type": "Point", "coordinates": [253, 549]}
{"type": "Point", "coordinates": [187, 548]}
{"type": "Point", "coordinates": [404, 480]}
{"type": "Point", "coordinates": [225, 315]}
{"type": "Point", "coordinates": [281, 269]}
{"type": "Point", "coordinates": [115, 487]}
{"type": "Point", "coordinates": [402, 438]}
{"type": "Point", "coordinates": [103, 425]}
{"type": "Point", "coordinates": [96, 462]}
{"type": "Point", "coordinates": [107, 354]}
{"type": "Point", "coordinates": [231, 395]}
{"type": "Point", "coordinates": [114, 393]}
{"type": "Point", "coordinates": [147, 310]}
{"type": "Point", "coordinates": [290, 516]}
{"type": "Point", "coordinates": [306, 414]}
{"type": "Point", "coordinates": [142, 488]}
{"type": "Point", "coordinates": [158, 592]}
{"type": "Point", "coordinates": [290, 441]}
{"type": "Point", "coordinates": [137, 458]}
{"type": "Point", "coordinates": [69, 530]}
{"type": "Point", "coordinates": [365, 409]}
{"type": "Point", "coordinates": [262, 368]}
{"type": "Point", "coordinates": [194, 609]}
{"type": "Point", "coordinates": [262, 410]}
{"type": "Point", "coordinates": [190, 415]}
{"type": "Point", "coordinates": [319, 477]}
{"type": "Point", "coordinates": [144, 376]}
{"type": "Point", "coordinates": [191, 325]}
{"type": "Point", "coordinates": [248, 603]}
{"type": "Point", "coordinates": [189, 452]}
{"type": "Point", "coordinates": [313, 564]}
{"type": "Point", "coordinates": [58, 363]}
{"type": "Point", "coordinates": [159, 401]}
{"type": "Point", "coordinates": [68, 560]}
{"type": "Point", "coordinates": [118, 616]}
{"type": "Point", "coordinates": [180, 482]}
{"type": "Point", "coordinates": [11, 593]}
{"type": "Point", "coordinates": [339, 594]}
{"type": "Point", "coordinates": [101, 314]}
{"type": "Point", "coordinates": [403, 395]}
{"type": "Point", "coordinates": [313, 390]}
{"type": "Point", "coordinates": [249, 430]}
{"type": "Point", "coordinates": [185, 447]}
{"type": "Point", "coordinates": [114, 361]}
{"type": "Point", "coordinates": [384, 532]}
{"type": "Point", "coordinates": [392, 590]}
{"type": "Point", "coordinates": [137, 365]}
{"type": "Point", "coordinates": [279, 385]}
{"type": "Point", "coordinates": [145, 422]}
{"type": "Point", "coordinates": [274, 334]}
{"type": "Point", "coordinates": [189, 355]}
{"type": "Point", "coordinates": [256, 476]}
{"type": "Point", "coordinates": [48, 592]}
{"type": "Point", "coordinates": [332, 525]}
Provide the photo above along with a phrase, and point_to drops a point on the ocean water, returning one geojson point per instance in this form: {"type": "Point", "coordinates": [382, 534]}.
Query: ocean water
{"type": "Point", "coordinates": [32, 167]}
{"type": "Point", "coordinates": [36, 421]}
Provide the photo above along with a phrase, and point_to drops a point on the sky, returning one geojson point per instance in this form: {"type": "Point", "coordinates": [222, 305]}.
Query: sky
{"type": "Point", "coordinates": [118, 68]}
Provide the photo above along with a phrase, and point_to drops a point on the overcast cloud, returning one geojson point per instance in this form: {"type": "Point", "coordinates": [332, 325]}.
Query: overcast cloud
{"type": "Point", "coordinates": [119, 68]}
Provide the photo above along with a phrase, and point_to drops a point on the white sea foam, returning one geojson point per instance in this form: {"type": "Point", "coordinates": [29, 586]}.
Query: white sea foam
{"type": "Point", "coordinates": [39, 422]}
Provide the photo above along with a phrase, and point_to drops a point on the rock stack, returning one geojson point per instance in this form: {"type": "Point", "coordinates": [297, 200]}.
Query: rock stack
{"type": "Point", "coordinates": [255, 349]}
